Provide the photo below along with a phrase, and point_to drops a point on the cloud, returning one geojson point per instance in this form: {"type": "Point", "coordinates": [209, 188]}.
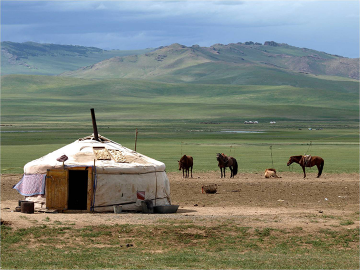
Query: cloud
{"type": "Point", "coordinates": [127, 24]}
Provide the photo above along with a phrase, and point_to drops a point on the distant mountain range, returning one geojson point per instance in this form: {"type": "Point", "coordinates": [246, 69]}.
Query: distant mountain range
{"type": "Point", "coordinates": [52, 59]}
{"type": "Point", "coordinates": [270, 63]}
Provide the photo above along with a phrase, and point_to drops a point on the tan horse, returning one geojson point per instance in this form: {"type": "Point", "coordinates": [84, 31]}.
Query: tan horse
{"type": "Point", "coordinates": [308, 161]}
{"type": "Point", "coordinates": [186, 163]}
{"type": "Point", "coordinates": [270, 173]}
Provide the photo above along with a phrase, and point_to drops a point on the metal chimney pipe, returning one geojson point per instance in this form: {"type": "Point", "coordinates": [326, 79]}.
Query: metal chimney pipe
{"type": "Point", "coordinates": [96, 135]}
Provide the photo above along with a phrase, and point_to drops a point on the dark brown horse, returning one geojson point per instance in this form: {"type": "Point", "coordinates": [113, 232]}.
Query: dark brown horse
{"type": "Point", "coordinates": [225, 161]}
{"type": "Point", "coordinates": [308, 161]}
{"type": "Point", "coordinates": [186, 163]}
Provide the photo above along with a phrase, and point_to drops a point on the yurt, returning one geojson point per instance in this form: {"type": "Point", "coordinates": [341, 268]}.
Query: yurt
{"type": "Point", "coordinates": [94, 174]}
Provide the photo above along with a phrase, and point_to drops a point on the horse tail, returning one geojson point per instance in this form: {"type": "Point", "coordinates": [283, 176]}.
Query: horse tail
{"type": "Point", "coordinates": [321, 167]}
{"type": "Point", "coordinates": [235, 167]}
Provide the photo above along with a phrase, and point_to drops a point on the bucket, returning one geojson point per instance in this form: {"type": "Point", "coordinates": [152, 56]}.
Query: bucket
{"type": "Point", "coordinates": [27, 207]}
{"type": "Point", "coordinates": [147, 207]}
{"type": "Point", "coordinates": [20, 201]}
{"type": "Point", "coordinates": [117, 209]}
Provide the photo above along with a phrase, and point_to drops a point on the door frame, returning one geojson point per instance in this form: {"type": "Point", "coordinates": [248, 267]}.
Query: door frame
{"type": "Point", "coordinates": [53, 184]}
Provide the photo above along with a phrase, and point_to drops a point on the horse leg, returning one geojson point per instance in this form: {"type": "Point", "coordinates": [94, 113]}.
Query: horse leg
{"type": "Point", "coordinates": [191, 171]}
{"type": "Point", "coordinates": [303, 171]}
{"type": "Point", "coordinates": [221, 172]}
{"type": "Point", "coordinates": [187, 173]}
{"type": "Point", "coordinates": [231, 172]}
{"type": "Point", "coordinates": [183, 172]}
{"type": "Point", "coordinates": [320, 168]}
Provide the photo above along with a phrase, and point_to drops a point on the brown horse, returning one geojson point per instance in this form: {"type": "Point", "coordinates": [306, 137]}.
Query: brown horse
{"type": "Point", "coordinates": [225, 161]}
{"type": "Point", "coordinates": [308, 161]}
{"type": "Point", "coordinates": [186, 163]}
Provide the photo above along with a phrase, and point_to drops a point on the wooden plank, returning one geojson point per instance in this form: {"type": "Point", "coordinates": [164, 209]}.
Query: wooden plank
{"type": "Point", "coordinates": [90, 194]}
{"type": "Point", "coordinates": [57, 189]}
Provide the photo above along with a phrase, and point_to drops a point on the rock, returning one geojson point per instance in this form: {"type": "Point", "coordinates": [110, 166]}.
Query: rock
{"type": "Point", "coordinates": [271, 43]}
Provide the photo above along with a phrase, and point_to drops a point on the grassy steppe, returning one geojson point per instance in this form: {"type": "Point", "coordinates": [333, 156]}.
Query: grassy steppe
{"type": "Point", "coordinates": [178, 245]}
{"type": "Point", "coordinates": [42, 113]}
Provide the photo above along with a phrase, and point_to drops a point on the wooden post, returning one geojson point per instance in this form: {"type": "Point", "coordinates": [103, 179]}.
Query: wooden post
{"type": "Point", "coordinates": [96, 136]}
{"type": "Point", "coordinates": [136, 133]}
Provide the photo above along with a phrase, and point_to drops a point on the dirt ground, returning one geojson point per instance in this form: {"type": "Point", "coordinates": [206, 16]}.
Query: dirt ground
{"type": "Point", "coordinates": [247, 200]}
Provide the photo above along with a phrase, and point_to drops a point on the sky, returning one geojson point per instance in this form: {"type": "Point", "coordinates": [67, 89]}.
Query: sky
{"type": "Point", "coordinates": [328, 26]}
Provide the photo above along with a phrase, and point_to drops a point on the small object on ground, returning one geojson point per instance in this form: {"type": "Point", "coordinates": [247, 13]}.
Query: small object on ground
{"type": "Point", "coordinates": [117, 209]}
{"type": "Point", "coordinates": [3, 222]}
{"type": "Point", "coordinates": [209, 189]}
{"type": "Point", "coordinates": [147, 207]}
{"type": "Point", "coordinates": [165, 209]}
{"type": "Point", "coordinates": [51, 211]}
{"type": "Point", "coordinates": [27, 207]}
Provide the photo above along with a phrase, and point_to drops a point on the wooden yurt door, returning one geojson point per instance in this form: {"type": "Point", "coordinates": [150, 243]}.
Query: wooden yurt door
{"type": "Point", "coordinates": [56, 189]}
{"type": "Point", "coordinates": [69, 189]}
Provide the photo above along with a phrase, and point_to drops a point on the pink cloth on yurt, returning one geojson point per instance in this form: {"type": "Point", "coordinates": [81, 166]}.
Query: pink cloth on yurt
{"type": "Point", "coordinates": [31, 184]}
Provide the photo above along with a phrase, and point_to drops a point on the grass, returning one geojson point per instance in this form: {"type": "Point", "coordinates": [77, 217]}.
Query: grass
{"type": "Point", "coordinates": [338, 147]}
{"type": "Point", "coordinates": [177, 246]}
{"type": "Point", "coordinates": [42, 113]}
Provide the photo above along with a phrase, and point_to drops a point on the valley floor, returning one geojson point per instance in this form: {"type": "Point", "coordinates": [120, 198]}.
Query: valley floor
{"type": "Point", "coordinates": [331, 201]}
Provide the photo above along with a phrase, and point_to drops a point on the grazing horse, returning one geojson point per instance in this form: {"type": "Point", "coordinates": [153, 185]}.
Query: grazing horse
{"type": "Point", "coordinates": [308, 161]}
{"type": "Point", "coordinates": [186, 163]}
{"type": "Point", "coordinates": [225, 161]}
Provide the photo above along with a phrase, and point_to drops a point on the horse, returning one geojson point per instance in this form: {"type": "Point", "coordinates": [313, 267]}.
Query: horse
{"type": "Point", "coordinates": [308, 161]}
{"type": "Point", "coordinates": [225, 161]}
{"type": "Point", "coordinates": [186, 163]}
{"type": "Point", "coordinates": [271, 173]}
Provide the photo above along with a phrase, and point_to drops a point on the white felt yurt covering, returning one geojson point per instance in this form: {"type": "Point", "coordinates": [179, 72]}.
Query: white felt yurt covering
{"type": "Point", "coordinates": [119, 173]}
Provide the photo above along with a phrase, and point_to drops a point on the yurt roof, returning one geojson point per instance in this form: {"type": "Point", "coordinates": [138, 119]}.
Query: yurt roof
{"type": "Point", "coordinates": [107, 156]}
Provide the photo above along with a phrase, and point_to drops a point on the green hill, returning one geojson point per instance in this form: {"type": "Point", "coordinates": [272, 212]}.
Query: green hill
{"type": "Point", "coordinates": [43, 99]}
{"type": "Point", "coordinates": [249, 63]}
{"type": "Point", "coordinates": [52, 59]}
